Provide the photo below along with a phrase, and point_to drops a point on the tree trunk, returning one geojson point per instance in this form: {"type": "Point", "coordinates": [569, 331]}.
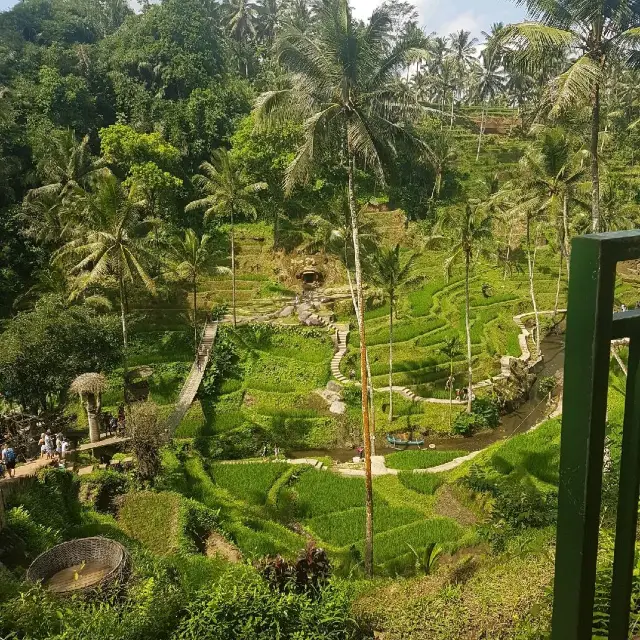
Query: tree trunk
{"type": "Point", "coordinates": [356, 308]}
{"type": "Point", "coordinates": [92, 417]}
{"type": "Point", "coordinates": [566, 239]}
{"type": "Point", "coordinates": [452, 102]}
{"type": "Point", "coordinates": [530, 264]}
{"type": "Point", "coordinates": [368, 547]}
{"type": "Point", "coordinates": [506, 264]}
{"type": "Point", "coordinates": [195, 315]}
{"type": "Point", "coordinates": [233, 270]}
{"type": "Point", "coordinates": [391, 357]}
{"type": "Point", "coordinates": [123, 320]}
{"type": "Point", "coordinates": [595, 170]}
{"type": "Point", "coordinates": [372, 408]}
{"type": "Point", "coordinates": [481, 131]}
{"type": "Point", "coordinates": [467, 324]}
{"type": "Point", "coordinates": [555, 307]}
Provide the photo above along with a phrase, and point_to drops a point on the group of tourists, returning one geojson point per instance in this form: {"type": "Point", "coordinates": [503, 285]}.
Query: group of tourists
{"type": "Point", "coordinates": [266, 450]}
{"type": "Point", "coordinates": [461, 394]}
{"type": "Point", "coordinates": [53, 447]}
{"type": "Point", "coordinates": [113, 426]}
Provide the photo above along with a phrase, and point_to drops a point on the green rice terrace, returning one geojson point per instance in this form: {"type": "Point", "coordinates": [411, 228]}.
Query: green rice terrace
{"type": "Point", "coordinates": [283, 304]}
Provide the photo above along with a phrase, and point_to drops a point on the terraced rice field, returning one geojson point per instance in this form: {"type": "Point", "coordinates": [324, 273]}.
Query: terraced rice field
{"type": "Point", "coordinates": [430, 315]}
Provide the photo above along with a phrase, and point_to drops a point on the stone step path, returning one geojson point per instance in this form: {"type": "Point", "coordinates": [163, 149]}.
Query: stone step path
{"type": "Point", "coordinates": [192, 383]}
{"type": "Point", "coordinates": [414, 397]}
{"type": "Point", "coordinates": [342, 334]}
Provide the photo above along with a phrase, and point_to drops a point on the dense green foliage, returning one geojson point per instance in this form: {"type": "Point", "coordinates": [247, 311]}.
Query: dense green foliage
{"type": "Point", "coordinates": [200, 159]}
{"type": "Point", "coordinates": [43, 350]}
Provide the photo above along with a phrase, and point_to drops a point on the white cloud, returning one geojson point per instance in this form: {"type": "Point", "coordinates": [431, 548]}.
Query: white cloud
{"type": "Point", "coordinates": [362, 9]}
{"type": "Point", "coordinates": [466, 21]}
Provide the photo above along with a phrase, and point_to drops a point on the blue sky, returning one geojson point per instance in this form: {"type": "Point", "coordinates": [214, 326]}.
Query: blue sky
{"type": "Point", "coordinates": [446, 16]}
{"type": "Point", "coordinates": [443, 16]}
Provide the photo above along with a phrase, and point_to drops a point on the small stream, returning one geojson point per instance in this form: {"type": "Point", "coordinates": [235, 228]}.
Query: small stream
{"type": "Point", "coordinates": [519, 421]}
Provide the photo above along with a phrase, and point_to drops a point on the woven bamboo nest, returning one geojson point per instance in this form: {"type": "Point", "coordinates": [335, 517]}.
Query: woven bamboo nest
{"type": "Point", "coordinates": [80, 565]}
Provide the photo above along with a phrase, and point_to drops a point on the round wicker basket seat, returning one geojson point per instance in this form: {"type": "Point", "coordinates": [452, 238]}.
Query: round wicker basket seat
{"type": "Point", "coordinates": [80, 565]}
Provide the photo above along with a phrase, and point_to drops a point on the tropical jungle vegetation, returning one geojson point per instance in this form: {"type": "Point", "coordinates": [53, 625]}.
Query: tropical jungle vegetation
{"type": "Point", "coordinates": [377, 220]}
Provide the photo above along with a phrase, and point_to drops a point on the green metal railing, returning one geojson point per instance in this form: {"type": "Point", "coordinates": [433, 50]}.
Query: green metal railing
{"type": "Point", "coordinates": [591, 325]}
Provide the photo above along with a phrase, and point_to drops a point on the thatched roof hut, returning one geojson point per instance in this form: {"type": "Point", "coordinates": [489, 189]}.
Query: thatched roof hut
{"type": "Point", "coordinates": [94, 383]}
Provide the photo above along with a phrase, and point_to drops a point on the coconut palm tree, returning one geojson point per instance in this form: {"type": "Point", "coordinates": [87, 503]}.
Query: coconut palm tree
{"type": "Point", "coordinates": [108, 243]}
{"type": "Point", "coordinates": [227, 193]}
{"type": "Point", "coordinates": [546, 188]}
{"type": "Point", "coordinates": [463, 53]}
{"type": "Point", "coordinates": [268, 13]}
{"type": "Point", "coordinates": [191, 256]}
{"type": "Point", "coordinates": [597, 35]}
{"type": "Point", "coordinates": [493, 43]}
{"type": "Point", "coordinates": [490, 84]}
{"type": "Point", "coordinates": [451, 348]}
{"type": "Point", "coordinates": [464, 230]}
{"type": "Point", "coordinates": [390, 272]}
{"type": "Point", "coordinates": [66, 166]}
{"type": "Point", "coordinates": [344, 85]}
{"type": "Point", "coordinates": [241, 25]}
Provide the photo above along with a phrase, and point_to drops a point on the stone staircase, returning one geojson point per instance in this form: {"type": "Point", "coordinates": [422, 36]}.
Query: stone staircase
{"type": "Point", "coordinates": [192, 383]}
{"type": "Point", "coordinates": [342, 333]}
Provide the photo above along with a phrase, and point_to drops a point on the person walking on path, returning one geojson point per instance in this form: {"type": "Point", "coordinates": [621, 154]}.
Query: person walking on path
{"type": "Point", "coordinates": [48, 443]}
{"type": "Point", "coordinates": [64, 449]}
{"type": "Point", "coordinates": [9, 459]}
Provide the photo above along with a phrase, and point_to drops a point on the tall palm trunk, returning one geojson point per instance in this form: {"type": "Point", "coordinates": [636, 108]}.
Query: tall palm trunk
{"type": "Point", "coordinates": [484, 108]}
{"type": "Point", "coordinates": [555, 307]}
{"type": "Point", "coordinates": [595, 170]}
{"type": "Point", "coordinates": [368, 548]}
{"type": "Point", "coordinates": [467, 324]}
{"type": "Point", "coordinates": [532, 293]}
{"type": "Point", "coordinates": [356, 308]}
{"type": "Point", "coordinates": [453, 95]}
{"type": "Point", "coordinates": [233, 269]}
{"type": "Point", "coordinates": [506, 264]}
{"type": "Point", "coordinates": [195, 313]}
{"type": "Point", "coordinates": [123, 320]}
{"type": "Point", "coordinates": [566, 239]}
{"type": "Point", "coordinates": [391, 296]}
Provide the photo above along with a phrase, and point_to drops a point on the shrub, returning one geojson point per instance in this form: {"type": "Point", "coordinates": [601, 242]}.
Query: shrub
{"type": "Point", "coordinates": [466, 424]}
{"type": "Point", "coordinates": [241, 605]}
{"type": "Point", "coordinates": [522, 506]}
{"type": "Point", "coordinates": [51, 499]}
{"type": "Point", "coordinates": [37, 537]}
{"type": "Point", "coordinates": [488, 409]}
{"type": "Point", "coordinates": [546, 385]}
{"type": "Point", "coordinates": [98, 489]}
{"type": "Point", "coordinates": [307, 574]}
{"type": "Point", "coordinates": [147, 434]}
{"type": "Point", "coordinates": [196, 522]}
